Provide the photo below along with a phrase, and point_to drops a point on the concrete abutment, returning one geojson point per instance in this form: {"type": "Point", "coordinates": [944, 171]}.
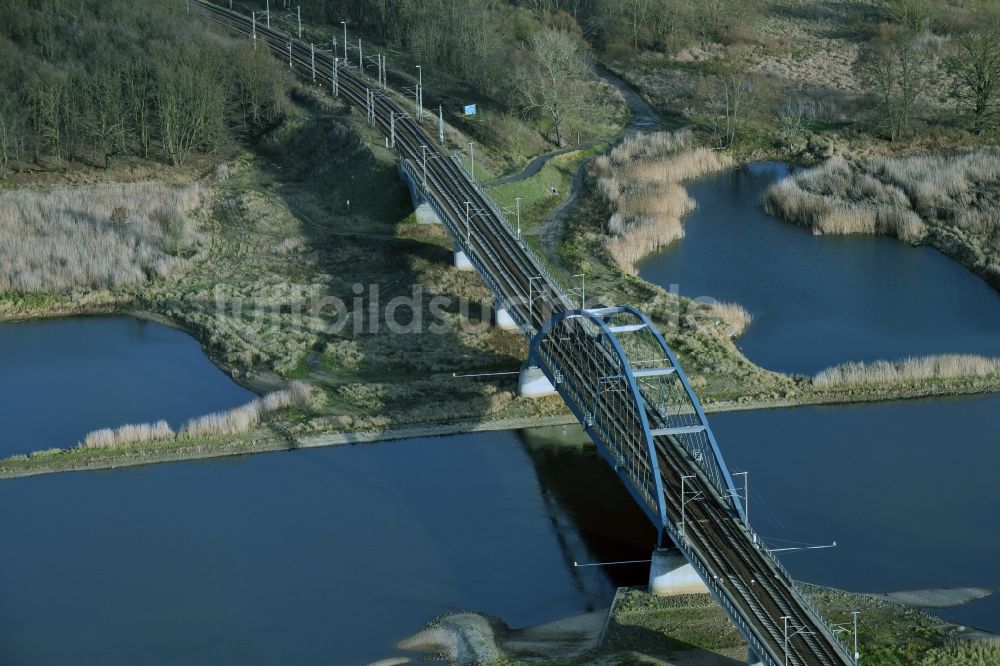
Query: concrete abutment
{"type": "Point", "coordinates": [461, 260]}
{"type": "Point", "coordinates": [670, 574]}
{"type": "Point", "coordinates": [425, 214]}
{"type": "Point", "coordinates": [532, 383]}
{"type": "Point", "coordinates": [502, 320]}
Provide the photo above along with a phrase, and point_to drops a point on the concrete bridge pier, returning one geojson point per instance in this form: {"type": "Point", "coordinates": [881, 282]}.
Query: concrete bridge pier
{"type": "Point", "coordinates": [502, 320]}
{"type": "Point", "coordinates": [670, 574]}
{"type": "Point", "coordinates": [532, 383]}
{"type": "Point", "coordinates": [461, 260]}
{"type": "Point", "coordinates": [425, 214]}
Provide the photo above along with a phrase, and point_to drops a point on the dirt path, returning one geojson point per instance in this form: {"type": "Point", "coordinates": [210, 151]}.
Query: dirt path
{"type": "Point", "coordinates": [535, 165]}
{"type": "Point", "coordinates": [644, 119]}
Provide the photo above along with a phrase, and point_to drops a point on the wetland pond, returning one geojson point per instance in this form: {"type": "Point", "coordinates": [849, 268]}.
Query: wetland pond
{"type": "Point", "coordinates": [62, 378]}
{"type": "Point", "coordinates": [819, 301]}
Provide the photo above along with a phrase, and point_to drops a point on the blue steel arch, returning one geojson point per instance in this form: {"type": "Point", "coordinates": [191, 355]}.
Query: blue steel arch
{"type": "Point", "coordinates": [603, 337]}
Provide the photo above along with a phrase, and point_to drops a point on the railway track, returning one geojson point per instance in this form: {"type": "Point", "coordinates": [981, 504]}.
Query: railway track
{"type": "Point", "coordinates": [752, 587]}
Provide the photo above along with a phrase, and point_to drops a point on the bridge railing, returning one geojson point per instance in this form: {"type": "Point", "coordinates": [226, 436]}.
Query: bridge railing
{"type": "Point", "coordinates": [721, 596]}
{"type": "Point", "coordinates": [803, 599]}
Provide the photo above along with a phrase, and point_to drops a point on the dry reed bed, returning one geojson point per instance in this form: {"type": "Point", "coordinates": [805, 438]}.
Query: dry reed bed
{"type": "Point", "coordinates": [733, 316]}
{"type": "Point", "coordinates": [966, 653]}
{"type": "Point", "coordinates": [218, 424]}
{"type": "Point", "coordinates": [889, 373]}
{"type": "Point", "coordinates": [94, 236]}
{"type": "Point", "coordinates": [641, 179]}
{"type": "Point", "coordinates": [900, 197]}
{"type": "Point", "coordinates": [132, 433]}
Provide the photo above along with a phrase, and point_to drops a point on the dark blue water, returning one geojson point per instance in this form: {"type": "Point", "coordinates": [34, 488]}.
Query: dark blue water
{"type": "Point", "coordinates": [315, 556]}
{"type": "Point", "coordinates": [819, 301]}
{"type": "Point", "coordinates": [62, 378]}
{"type": "Point", "coordinates": [909, 490]}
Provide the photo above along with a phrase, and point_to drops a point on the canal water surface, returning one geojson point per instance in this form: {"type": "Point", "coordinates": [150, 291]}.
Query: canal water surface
{"type": "Point", "coordinates": [335, 554]}
{"type": "Point", "coordinates": [314, 556]}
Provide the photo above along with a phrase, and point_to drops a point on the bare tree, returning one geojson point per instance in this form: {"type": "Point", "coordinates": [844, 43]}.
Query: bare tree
{"type": "Point", "coordinates": [555, 82]}
{"type": "Point", "coordinates": [102, 117]}
{"type": "Point", "coordinates": [636, 15]}
{"type": "Point", "coordinates": [43, 101]}
{"type": "Point", "coordinates": [189, 103]}
{"type": "Point", "coordinates": [975, 66]}
{"type": "Point", "coordinates": [255, 91]}
{"type": "Point", "coordinates": [137, 90]}
{"type": "Point", "coordinates": [896, 69]}
{"type": "Point", "coordinates": [6, 137]}
{"type": "Point", "coordinates": [735, 98]}
{"type": "Point", "coordinates": [915, 15]}
{"type": "Point", "coordinates": [709, 20]}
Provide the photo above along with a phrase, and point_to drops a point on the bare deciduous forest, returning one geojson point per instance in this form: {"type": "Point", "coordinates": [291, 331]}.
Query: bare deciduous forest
{"type": "Point", "coordinates": [90, 81]}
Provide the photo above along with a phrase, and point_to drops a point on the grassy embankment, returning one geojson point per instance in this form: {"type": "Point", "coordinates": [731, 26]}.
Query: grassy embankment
{"type": "Point", "coordinates": [280, 236]}
{"type": "Point", "coordinates": [644, 626]}
{"type": "Point", "coordinates": [279, 279]}
{"type": "Point", "coordinates": [643, 629]}
{"type": "Point", "coordinates": [782, 80]}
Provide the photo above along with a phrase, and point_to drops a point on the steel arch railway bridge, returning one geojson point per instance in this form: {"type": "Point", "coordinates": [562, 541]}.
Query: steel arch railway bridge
{"type": "Point", "coordinates": [614, 370]}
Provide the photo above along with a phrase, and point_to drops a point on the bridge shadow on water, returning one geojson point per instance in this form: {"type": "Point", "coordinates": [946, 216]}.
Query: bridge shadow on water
{"type": "Point", "coordinates": [595, 520]}
{"type": "Point", "coordinates": [592, 513]}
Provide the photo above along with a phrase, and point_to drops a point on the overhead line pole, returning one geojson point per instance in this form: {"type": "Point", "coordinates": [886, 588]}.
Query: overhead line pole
{"type": "Point", "coordinates": [472, 161]}
{"type": "Point", "coordinates": [517, 209]}
{"type": "Point", "coordinates": [746, 496]}
{"type": "Point", "coordinates": [418, 92]}
{"type": "Point", "coordinates": [346, 61]}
